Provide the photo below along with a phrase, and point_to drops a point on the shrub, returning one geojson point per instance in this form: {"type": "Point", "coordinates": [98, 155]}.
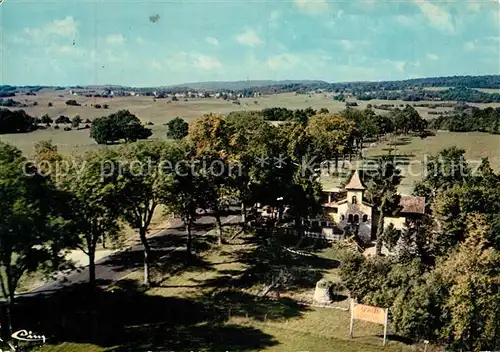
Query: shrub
{"type": "Point", "coordinates": [63, 119]}
{"type": "Point", "coordinates": [77, 120]}
{"type": "Point", "coordinates": [97, 106]}
{"type": "Point", "coordinates": [50, 104]}
{"type": "Point", "coordinates": [72, 102]}
{"type": "Point", "coordinates": [46, 119]}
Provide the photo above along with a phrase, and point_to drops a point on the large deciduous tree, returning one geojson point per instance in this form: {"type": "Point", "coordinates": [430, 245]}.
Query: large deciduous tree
{"type": "Point", "coordinates": [147, 170]}
{"type": "Point", "coordinates": [177, 128]}
{"type": "Point", "coordinates": [95, 186]}
{"type": "Point", "coordinates": [251, 139]}
{"type": "Point", "coordinates": [209, 138]}
{"type": "Point", "coordinates": [121, 125]}
{"type": "Point", "coordinates": [186, 197]}
{"type": "Point", "coordinates": [330, 136]}
{"type": "Point", "coordinates": [30, 230]}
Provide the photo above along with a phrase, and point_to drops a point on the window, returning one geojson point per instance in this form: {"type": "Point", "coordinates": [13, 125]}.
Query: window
{"type": "Point", "coordinates": [342, 217]}
{"type": "Point", "coordinates": [354, 200]}
{"type": "Point", "coordinates": [323, 224]}
{"type": "Point", "coordinates": [334, 210]}
{"type": "Point", "coordinates": [356, 219]}
{"type": "Point", "coordinates": [349, 218]}
{"type": "Point", "coordinates": [365, 218]}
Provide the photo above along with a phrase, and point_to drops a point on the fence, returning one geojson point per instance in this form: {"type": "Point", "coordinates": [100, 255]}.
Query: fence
{"type": "Point", "coordinates": [320, 235]}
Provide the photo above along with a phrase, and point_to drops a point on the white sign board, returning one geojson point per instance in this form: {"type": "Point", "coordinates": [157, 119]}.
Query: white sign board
{"type": "Point", "coordinates": [368, 313]}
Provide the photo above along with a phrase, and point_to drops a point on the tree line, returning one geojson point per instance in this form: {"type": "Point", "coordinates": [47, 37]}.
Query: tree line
{"type": "Point", "coordinates": [359, 88]}
{"type": "Point", "coordinates": [469, 119]}
{"type": "Point", "coordinates": [452, 94]}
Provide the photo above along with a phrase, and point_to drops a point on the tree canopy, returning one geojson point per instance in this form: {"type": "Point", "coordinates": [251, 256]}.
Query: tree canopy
{"type": "Point", "coordinates": [121, 125]}
{"type": "Point", "coordinates": [177, 128]}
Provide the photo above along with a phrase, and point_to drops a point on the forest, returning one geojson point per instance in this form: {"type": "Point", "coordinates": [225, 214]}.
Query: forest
{"type": "Point", "coordinates": [469, 119]}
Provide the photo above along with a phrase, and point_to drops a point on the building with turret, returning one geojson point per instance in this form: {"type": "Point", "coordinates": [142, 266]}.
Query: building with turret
{"type": "Point", "coordinates": [347, 208]}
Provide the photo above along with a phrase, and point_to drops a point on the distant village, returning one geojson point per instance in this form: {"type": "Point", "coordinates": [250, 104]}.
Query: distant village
{"type": "Point", "coordinates": [105, 93]}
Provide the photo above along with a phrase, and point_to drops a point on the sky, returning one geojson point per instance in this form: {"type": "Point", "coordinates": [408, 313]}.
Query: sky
{"type": "Point", "coordinates": [156, 43]}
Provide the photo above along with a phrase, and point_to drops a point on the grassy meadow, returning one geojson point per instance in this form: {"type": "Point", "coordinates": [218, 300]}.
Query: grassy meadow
{"type": "Point", "coordinates": [413, 152]}
{"type": "Point", "coordinates": [210, 303]}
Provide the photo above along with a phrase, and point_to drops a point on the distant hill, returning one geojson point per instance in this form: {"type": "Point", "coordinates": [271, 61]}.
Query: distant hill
{"type": "Point", "coordinates": [239, 85]}
{"type": "Point", "coordinates": [363, 90]}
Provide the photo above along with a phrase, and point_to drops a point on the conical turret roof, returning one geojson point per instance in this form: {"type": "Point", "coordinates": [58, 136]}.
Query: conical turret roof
{"type": "Point", "coordinates": [355, 182]}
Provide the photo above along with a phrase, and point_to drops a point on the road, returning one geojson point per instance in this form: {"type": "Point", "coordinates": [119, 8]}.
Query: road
{"type": "Point", "coordinates": [125, 262]}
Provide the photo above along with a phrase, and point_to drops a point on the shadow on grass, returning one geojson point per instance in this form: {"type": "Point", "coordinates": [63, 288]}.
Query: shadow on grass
{"type": "Point", "coordinates": [397, 338]}
{"type": "Point", "coordinates": [400, 157]}
{"type": "Point", "coordinates": [267, 260]}
{"type": "Point", "coordinates": [241, 304]}
{"type": "Point", "coordinates": [129, 318]}
{"type": "Point", "coordinates": [178, 262]}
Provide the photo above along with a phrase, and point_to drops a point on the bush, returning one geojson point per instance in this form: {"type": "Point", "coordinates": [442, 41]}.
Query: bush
{"type": "Point", "coordinates": [105, 106]}
{"type": "Point", "coordinates": [62, 119]}
{"type": "Point", "coordinates": [97, 106]}
{"type": "Point", "coordinates": [46, 119]}
{"type": "Point", "coordinates": [50, 104]}
{"type": "Point", "coordinates": [67, 128]}
{"type": "Point", "coordinates": [72, 102]}
{"type": "Point", "coordinates": [77, 120]}
{"type": "Point", "coordinates": [56, 127]}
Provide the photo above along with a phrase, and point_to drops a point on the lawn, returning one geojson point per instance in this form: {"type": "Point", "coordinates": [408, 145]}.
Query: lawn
{"type": "Point", "coordinates": [208, 303]}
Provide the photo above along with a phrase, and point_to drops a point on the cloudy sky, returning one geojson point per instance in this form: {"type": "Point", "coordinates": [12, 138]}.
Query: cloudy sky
{"type": "Point", "coordinates": [147, 43]}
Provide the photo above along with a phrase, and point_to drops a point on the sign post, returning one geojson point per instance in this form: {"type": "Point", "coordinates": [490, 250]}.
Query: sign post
{"type": "Point", "coordinates": [352, 318]}
{"type": "Point", "coordinates": [368, 313]}
{"type": "Point", "coordinates": [385, 325]}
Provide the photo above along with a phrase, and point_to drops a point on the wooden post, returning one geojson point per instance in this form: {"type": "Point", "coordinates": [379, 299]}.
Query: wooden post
{"type": "Point", "coordinates": [352, 319]}
{"type": "Point", "coordinates": [385, 325]}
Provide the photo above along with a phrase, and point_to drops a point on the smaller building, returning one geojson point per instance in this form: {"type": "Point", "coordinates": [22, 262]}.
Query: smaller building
{"type": "Point", "coordinates": [411, 208]}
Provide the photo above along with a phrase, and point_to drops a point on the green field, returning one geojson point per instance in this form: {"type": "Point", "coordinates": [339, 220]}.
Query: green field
{"type": "Point", "coordinates": [477, 145]}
